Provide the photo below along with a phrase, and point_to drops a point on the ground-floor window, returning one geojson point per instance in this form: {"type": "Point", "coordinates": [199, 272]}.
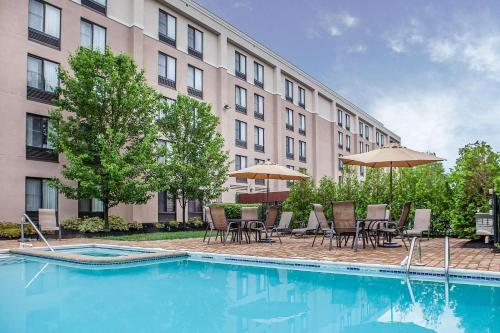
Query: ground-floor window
{"type": "Point", "coordinates": [166, 207]}
{"type": "Point", "coordinates": [39, 194]}
{"type": "Point", "coordinates": [90, 207]}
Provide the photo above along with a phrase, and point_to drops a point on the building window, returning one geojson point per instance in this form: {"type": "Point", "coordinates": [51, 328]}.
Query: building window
{"type": "Point", "coordinates": [289, 119]}
{"type": "Point", "coordinates": [377, 138]}
{"type": "Point", "coordinates": [195, 42]}
{"type": "Point", "coordinates": [166, 70]}
{"type": "Point", "coordinates": [367, 132]}
{"type": "Point", "coordinates": [289, 148]}
{"type": "Point", "coordinates": [302, 97]}
{"type": "Point", "coordinates": [302, 151]}
{"type": "Point", "coordinates": [361, 147]}
{"type": "Point", "coordinates": [347, 122]}
{"type": "Point", "coordinates": [260, 182]}
{"type": "Point", "coordinates": [341, 139]}
{"type": "Point", "coordinates": [259, 139]}
{"type": "Point", "coordinates": [348, 142]}
{"type": "Point", "coordinates": [367, 148]}
{"type": "Point", "coordinates": [90, 208]}
{"type": "Point", "coordinates": [382, 140]}
{"type": "Point", "coordinates": [240, 65]}
{"type": "Point", "coordinates": [165, 149]}
{"type": "Point", "coordinates": [361, 130]}
{"type": "Point", "coordinates": [195, 207]}
{"type": "Point", "coordinates": [167, 28]}
{"type": "Point", "coordinates": [258, 105]}
{"type": "Point", "coordinates": [258, 74]}
{"type": "Point", "coordinates": [241, 133]}
{"type": "Point", "coordinates": [289, 90]}
{"type": "Point", "coordinates": [169, 102]}
{"type": "Point", "coordinates": [92, 35]}
{"type": "Point", "coordinates": [240, 99]}
{"type": "Point", "coordinates": [339, 117]}
{"type": "Point", "coordinates": [97, 5]}
{"type": "Point", "coordinates": [166, 204]}
{"type": "Point", "coordinates": [39, 195]}
{"type": "Point", "coordinates": [302, 124]}
{"type": "Point", "coordinates": [42, 79]}
{"type": "Point", "coordinates": [38, 145]}
{"type": "Point", "coordinates": [195, 81]}
{"type": "Point", "coordinates": [341, 163]}
{"type": "Point", "coordinates": [240, 162]}
{"type": "Point", "coordinates": [289, 183]}
{"type": "Point", "coordinates": [44, 23]}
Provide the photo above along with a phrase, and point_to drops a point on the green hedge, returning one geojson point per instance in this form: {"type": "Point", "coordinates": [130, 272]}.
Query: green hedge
{"type": "Point", "coordinates": [96, 224]}
{"type": "Point", "coordinates": [13, 230]}
{"type": "Point", "coordinates": [233, 210]}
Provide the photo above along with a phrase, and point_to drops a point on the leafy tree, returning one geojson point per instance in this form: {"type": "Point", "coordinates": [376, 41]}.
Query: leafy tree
{"type": "Point", "coordinates": [476, 168]}
{"type": "Point", "coordinates": [300, 198]}
{"type": "Point", "coordinates": [104, 125]}
{"type": "Point", "coordinates": [196, 164]}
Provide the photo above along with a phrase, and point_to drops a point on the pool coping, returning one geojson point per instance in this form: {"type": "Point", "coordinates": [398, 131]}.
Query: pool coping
{"type": "Point", "coordinates": [385, 270]}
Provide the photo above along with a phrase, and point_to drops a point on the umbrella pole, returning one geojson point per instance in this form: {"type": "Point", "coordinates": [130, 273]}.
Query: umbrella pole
{"type": "Point", "coordinates": [390, 189]}
{"type": "Point", "coordinates": [267, 192]}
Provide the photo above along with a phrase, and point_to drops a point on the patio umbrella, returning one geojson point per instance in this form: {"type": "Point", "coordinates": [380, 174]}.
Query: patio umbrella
{"type": "Point", "coordinates": [268, 170]}
{"type": "Point", "coordinates": [392, 155]}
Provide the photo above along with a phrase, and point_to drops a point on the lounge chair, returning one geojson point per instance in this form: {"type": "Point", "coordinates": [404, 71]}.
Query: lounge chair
{"type": "Point", "coordinates": [421, 224]}
{"type": "Point", "coordinates": [323, 225]}
{"type": "Point", "coordinates": [284, 224]}
{"type": "Point", "coordinates": [312, 224]}
{"type": "Point", "coordinates": [344, 222]}
{"type": "Point", "coordinates": [395, 228]}
{"type": "Point", "coordinates": [269, 226]}
{"type": "Point", "coordinates": [47, 220]}
{"type": "Point", "coordinates": [208, 220]}
{"type": "Point", "coordinates": [221, 225]}
{"type": "Point", "coordinates": [251, 216]}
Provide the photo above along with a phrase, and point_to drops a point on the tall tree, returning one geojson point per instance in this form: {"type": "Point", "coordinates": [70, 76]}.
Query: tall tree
{"type": "Point", "coordinates": [196, 164]}
{"type": "Point", "coordinates": [104, 126]}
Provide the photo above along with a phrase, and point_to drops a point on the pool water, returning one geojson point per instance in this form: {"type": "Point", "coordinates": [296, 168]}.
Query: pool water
{"type": "Point", "coordinates": [96, 251]}
{"type": "Point", "coordinates": [191, 296]}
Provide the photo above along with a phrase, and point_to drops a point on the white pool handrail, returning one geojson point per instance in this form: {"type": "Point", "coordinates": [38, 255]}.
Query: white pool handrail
{"type": "Point", "coordinates": [23, 221]}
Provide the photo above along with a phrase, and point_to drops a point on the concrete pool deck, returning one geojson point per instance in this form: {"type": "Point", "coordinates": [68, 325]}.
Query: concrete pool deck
{"type": "Point", "coordinates": [464, 254]}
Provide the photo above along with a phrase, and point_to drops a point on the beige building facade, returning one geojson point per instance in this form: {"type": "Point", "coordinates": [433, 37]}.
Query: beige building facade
{"type": "Point", "coordinates": [268, 108]}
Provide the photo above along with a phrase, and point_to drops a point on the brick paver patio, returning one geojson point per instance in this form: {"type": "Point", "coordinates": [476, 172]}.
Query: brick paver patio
{"type": "Point", "coordinates": [464, 254]}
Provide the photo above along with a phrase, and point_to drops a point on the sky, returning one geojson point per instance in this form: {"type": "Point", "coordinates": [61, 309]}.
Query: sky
{"type": "Point", "coordinates": [429, 70]}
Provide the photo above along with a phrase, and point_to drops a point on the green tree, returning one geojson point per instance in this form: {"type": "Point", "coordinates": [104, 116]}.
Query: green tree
{"type": "Point", "coordinates": [196, 164]}
{"type": "Point", "coordinates": [475, 170]}
{"type": "Point", "coordinates": [300, 198]}
{"type": "Point", "coordinates": [104, 126]}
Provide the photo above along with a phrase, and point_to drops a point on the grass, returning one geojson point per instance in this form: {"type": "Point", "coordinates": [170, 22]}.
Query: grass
{"type": "Point", "coordinates": [157, 236]}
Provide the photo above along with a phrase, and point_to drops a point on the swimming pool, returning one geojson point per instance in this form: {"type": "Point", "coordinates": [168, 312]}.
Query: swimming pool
{"type": "Point", "coordinates": [187, 295]}
{"type": "Point", "coordinates": [101, 251]}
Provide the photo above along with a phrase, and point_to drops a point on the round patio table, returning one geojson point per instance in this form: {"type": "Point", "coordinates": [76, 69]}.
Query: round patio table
{"type": "Point", "coordinates": [242, 223]}
{"type": "Point", "coordinates": [360, 226]}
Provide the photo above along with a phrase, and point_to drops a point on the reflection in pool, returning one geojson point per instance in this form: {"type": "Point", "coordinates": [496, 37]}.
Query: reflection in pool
{"type": "Point", "coordinates": [190, 296]}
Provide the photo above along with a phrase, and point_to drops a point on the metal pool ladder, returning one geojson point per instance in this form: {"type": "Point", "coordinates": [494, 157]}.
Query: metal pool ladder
{"type": "Point", "coordinates": [446, 256]}
{"type": "Point", "coordinates": [407, 260]}
{"type": "Point", "coordinates": [25, 218]}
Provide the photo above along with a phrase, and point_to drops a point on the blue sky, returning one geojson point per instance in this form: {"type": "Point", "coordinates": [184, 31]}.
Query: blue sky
{"type": "Point", "coordinates": [429, 70]}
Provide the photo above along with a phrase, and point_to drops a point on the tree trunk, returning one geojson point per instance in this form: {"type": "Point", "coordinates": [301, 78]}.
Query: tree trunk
{"type": "Point", "coordinates": [183, 205]}
{"type": "Point", "coordinates": [106, 213]}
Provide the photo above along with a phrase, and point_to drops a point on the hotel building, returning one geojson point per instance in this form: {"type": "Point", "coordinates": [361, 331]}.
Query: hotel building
{"type": "Point", "coordinates": [268, 108]}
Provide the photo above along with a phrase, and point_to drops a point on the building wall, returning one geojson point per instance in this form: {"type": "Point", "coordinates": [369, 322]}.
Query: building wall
{"type": "Point", "coordinates": [132, 27]}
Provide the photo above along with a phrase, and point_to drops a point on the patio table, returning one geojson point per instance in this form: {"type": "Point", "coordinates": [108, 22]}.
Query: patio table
{"type": "Point", "coordinates": [241, 224]}
{"type": "Point", "coordinates": [360, 226]}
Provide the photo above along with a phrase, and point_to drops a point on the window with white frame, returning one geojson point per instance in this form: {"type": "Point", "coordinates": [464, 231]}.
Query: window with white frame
{"type": "Point", "coordinates": [240, 65]}
{"type": "Point", "coordinates": [92, 35]}
{"type": "Point", "coordinates": [302, 123]}
{"type": "Point", "coordinates": [167, 70]}
{"type": "Point", "coordinates": [377, 138]}
{"type": "Point", "coordinates": [361, 147]}
{"type": "Point", "coordinates": [167, 28]}
{"type": "Point", "coordinates": [348, 142]}
{"type": "Point", "coordinates": [367, 132]}
{"type": "Point", "coordinates": [382, 140]}
{"type": "Point", "coordinates": [347, 122]}
{"type": "Point", "coordinates": [258, 104]}
{"type": "Point", "coordinates": [367, 148]}
{"type": "Point", "coordinates": [289, 90]}
{"type": "Point", "coordinates": [361, 130]}
{"type": "Point", "coordinates": [302, 97]}
{"type": "Point", "coordinates": [258, 74]}
{"type": "Point", "coordinates": [340, 139]}
{"type": "Point", "coordinates": [339, 117]}
{"type": "Point", "coordinates": [42, 74]}
{"type": "Point", "coordinates": [289, 119]}
{"type": "Point", "coordinates": [289, 147]}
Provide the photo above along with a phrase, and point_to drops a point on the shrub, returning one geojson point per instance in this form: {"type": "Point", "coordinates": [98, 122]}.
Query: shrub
{"type": "Point", "coordinates": [72, 223]}
{"type": "Point", "coordinates": [173, 224]}
{"type": "Point", "coordinates": [233, 210]}
{"type": "Point", "coordinates": [135, 226]}
{"type": "Point", "coordinates": [196, 222]}
{"type": "Point", "coordinates": [117, 223]}
{"type": "Point", "coordinates": [159, 225]}
{"type": "Point", "coordinates": [13, 230]}
{"type": "Point", "coordinates": [91, 224]}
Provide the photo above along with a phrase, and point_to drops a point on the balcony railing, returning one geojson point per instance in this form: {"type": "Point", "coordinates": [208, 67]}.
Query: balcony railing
{"type": "Point", "coordinates": [167, 40]}
{"type": "Point", "coordinates": [195, 53]}
{"type": "Point", "coordinates": [302, 158]}
{"type": "Point", "coordinates": [41, 154]}
{"type": "Point", "coordinates": [341, 146]}
{"type": "Point", "coordinates": [290, 156]}
{"type": "Point", "coordinates": [40, 95]}
{"type": "Point", "coordinates": [241, 75]}
{"type": "Point", "coordinates": [240, 143]}
{"type": "Point", "coordinates": [259, 148]}
{"type": "Point", "coordinates": [259, 115]}
{"type": "Point", "coordinates": [241, 109]}
{"type": "Point", "coordinates": [289, 127]}
{"type": "Point", "coordinates": [166, 82]}
{"type": "Point", "coordinates": [258, 83]}
{"type": "Point", "coordinates": [302, 131]}
{"type": "Point", "coordinates": [195, 92]}
{"type": "Point", "coordinates": [289, 98]}
{"type": "Point", "coordinates": [44, 38]}
{"type": "Point", "coordinates": [302, 105]}
{"type": "Point", "coordinates": [95, 6]}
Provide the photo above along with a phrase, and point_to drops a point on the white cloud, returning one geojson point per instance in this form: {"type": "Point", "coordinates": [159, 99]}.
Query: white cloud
{"type": "Point", "coordinates": [360, 48]}
{"type": "Point", "coordinates": [349, 20]}
{"type": "Point", "coordinates": [337, 24]}
{"type": "Point", "coordinates": [441, 50]}
{"type": "Point", "coordinates": [404, 38]}
{"type": "Point", "coordinates": [242, 4]}
{"type": "Point", "coordinates": [335, 31]}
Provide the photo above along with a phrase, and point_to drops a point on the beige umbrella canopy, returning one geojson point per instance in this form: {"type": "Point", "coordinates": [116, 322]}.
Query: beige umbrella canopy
{"type": "Point", "coordinates": [392, 155]}
{"type": "Point", "coordinates": [268, 170]}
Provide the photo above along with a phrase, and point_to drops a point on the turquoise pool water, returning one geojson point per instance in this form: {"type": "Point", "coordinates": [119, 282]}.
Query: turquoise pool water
{"type": "Point", "coordinates": [96, 251]}
{"type": "Point", "coordinates": [190, 296]}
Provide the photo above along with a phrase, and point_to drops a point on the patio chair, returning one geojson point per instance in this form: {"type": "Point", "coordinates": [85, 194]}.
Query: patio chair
{"type": "Point", "coordinates": [344, 222]}
{"type": "Point", "coordinates": [269, 226]}
{"type": "Point", "coordinates": [284, 224]}
{"type": "Point", "coordinates": [221, 225]}
{"type": "Point", "coordinates": [251, 216]}
{"type": "Point", "coordinates": [395, 228]}
{"type": "Point", "coordinates": [375, 216]}
{"type": "Point", "coordinates": [312, 224]}
{"type": "Point", "coordinates": [208, 220]}
{"type": "Point", "coordinates": [323, 225]}
{"type": "Point", "coordinates": [47, 220]}
{"type": "Point", "coordinates": [421, 224]}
